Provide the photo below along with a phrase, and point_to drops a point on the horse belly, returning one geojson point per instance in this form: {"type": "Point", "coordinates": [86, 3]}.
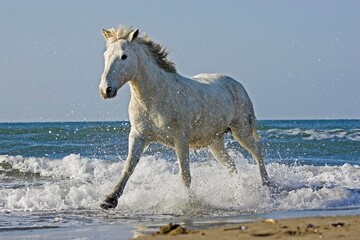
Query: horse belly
{"type": "Point", "coordinates": [211, 119]}
{"type": "Point", "coordinates": [203, 141]}
{"type": "Point", "coordinates": [198, 135]}
{"type": "Point", "coordinates": [209, 127]}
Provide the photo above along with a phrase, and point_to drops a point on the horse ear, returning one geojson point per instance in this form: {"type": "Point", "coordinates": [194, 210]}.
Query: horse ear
{"type": "Point", "coordinates": [106, 34]}
{"type": "Point", "coordinates": [133, 35]}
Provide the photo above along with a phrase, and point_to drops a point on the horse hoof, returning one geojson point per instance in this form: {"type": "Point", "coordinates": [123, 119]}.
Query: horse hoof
{"type": "Point", "coordinates": [109, 203]}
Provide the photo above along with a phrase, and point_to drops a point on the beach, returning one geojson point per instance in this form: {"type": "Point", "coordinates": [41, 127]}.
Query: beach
{"type": "Point", "coordinates": [330, 227]}
{"type": "Point", "coordinates": [305, 224]}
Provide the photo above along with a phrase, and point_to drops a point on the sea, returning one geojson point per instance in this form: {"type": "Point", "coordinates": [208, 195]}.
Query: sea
{"type": "Point", "coordinates": [54, 175]}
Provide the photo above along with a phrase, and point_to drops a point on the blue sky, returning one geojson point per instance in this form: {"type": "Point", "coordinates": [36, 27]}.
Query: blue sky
{"type": "Point", "coordinates": [297, 59]}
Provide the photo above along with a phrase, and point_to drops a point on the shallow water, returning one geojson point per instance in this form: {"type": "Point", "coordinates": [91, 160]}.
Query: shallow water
{"type": "Point", "coordinates": [54, 175]}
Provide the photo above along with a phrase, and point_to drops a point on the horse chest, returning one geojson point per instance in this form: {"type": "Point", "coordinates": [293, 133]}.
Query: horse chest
{"type": "Point", "coordinates": [154, 128]}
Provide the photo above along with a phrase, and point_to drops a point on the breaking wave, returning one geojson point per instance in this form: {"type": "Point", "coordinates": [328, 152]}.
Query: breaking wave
{"type": "Point", "coordinates": [80, 183]}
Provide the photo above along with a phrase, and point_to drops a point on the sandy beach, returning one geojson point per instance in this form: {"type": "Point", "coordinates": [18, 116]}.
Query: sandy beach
{"type": "Point", "coordinates": [333, 227]}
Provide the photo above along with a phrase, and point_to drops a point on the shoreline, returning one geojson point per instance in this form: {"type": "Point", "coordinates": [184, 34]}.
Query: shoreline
{"type": "Point", "coordinates": [304, 224]}
{"type": "Point", "coordinates": [321, 227]}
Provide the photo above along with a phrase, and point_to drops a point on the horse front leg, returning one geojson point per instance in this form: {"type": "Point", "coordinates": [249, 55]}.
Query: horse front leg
{"type": "Point", "coordinates": [136, 147]}
{"type": "Point", "coordinates": [182, 153]}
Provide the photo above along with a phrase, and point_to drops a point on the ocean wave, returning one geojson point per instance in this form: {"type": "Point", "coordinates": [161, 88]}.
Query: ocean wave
{"type": "Point", "coordinates": [75, 182]}
{"type": "Point", "coordinates": [313, 134]}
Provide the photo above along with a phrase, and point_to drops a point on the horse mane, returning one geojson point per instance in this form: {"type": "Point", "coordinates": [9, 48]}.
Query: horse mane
{"type": "Point", "coordinates": [154, 50]}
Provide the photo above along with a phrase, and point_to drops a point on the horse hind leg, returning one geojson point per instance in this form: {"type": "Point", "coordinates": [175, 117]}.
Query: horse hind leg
{"type": "Point", "coordinates": [247, 137]}
{"type": "Point", "coordinates": [182, 153]}
{"type": "Point", "coordinates": [218, 150]}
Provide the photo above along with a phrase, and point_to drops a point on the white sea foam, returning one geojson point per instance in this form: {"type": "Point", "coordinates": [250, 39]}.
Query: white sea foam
{"type": "Point", "coordinates": [75, 182]}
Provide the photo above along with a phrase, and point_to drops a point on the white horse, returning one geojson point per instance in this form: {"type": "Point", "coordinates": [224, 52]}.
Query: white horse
{"type": "Point", "coordinates": [173, 110]}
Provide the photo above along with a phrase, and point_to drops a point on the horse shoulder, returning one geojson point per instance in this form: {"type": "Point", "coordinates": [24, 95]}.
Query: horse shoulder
{"type": "Point", "coordinates": [153, 120]}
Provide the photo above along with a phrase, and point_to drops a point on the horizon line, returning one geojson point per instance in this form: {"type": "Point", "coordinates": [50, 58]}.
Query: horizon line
{"type": "Point", "coordinates": [98, 121]}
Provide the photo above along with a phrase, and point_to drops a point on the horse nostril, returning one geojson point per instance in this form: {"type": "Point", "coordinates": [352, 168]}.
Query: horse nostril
{"type": "Point", "coordinates": [108, 90]}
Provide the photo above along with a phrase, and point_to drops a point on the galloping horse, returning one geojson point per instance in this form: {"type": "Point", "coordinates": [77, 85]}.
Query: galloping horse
{"type": "Point", "coordinates": [173, 110]}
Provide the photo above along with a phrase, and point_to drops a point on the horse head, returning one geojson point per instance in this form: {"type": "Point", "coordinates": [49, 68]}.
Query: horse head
{"type": "Point", "coordinates": [120, 60]}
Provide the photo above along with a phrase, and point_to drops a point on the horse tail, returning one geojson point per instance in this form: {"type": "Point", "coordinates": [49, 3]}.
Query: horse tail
{"type": "Point", "coordinates": [255, 134]}
{"type": "Point", "coordinates": [252, 124]}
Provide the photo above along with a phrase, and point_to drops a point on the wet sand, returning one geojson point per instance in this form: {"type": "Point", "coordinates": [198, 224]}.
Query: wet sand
{"type": "Point", "coordinates": [333, 227]}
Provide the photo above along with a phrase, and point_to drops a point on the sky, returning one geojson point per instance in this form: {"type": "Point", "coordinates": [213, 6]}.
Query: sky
{"type": "Point", "coordinates": [297, 59]}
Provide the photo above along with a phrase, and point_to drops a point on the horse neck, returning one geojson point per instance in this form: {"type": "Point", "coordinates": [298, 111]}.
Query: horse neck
{"type": "Point", "coordinates": [150, 80]}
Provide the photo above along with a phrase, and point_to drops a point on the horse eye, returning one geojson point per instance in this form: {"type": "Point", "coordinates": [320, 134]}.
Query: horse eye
{"type": "Point", "coordinates": [123, 57]}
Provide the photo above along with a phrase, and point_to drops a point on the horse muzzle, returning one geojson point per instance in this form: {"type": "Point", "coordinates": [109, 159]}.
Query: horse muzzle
{"type": "Point", "coordinates": [108, 93]}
